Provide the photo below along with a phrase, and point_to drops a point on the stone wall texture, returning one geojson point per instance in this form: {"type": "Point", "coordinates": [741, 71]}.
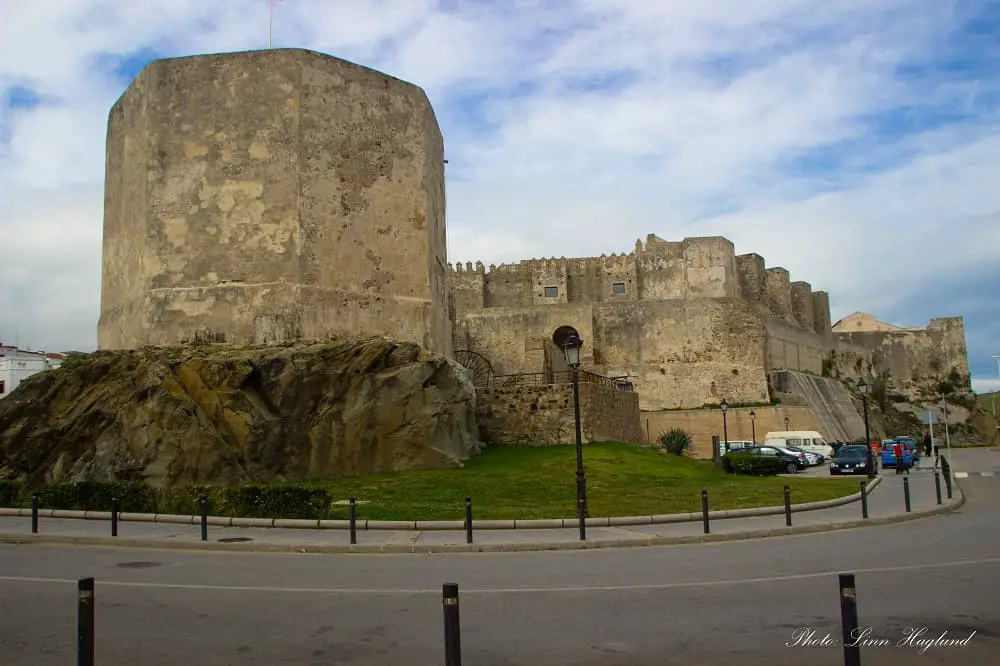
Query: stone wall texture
{"type": "Point", "coordinates": [270, 195]}
{"type": "Point", "coordinates": [543, 415]}
{"type": "Point", "coordinates": [917, 358]}
{"type": "Point", "coordinates": [703, 424]}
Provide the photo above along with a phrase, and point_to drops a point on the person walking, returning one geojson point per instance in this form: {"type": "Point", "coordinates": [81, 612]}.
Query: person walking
{"type": "Point", "coordinates": [927, 444]}
{"type": "Point", "coordinates": [897, 451]}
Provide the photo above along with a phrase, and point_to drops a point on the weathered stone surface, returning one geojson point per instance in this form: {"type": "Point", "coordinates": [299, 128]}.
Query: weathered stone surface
{"type": "Point", "coordinates": [272, 195]}
{"type": "Point", "coordinates": [224, 414]}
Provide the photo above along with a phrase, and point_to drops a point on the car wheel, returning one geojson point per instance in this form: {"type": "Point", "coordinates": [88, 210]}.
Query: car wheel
{"type": "Point", "coordinates": [791, 468]}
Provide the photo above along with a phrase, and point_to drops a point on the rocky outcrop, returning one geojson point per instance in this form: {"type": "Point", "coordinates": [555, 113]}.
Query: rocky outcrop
{"type": "Point", "coordinates": [220, 415]}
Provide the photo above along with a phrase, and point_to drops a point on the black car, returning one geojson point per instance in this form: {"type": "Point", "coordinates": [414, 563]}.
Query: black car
{"type": "Point", "coordinates": [852, 459]}
{"type": "Point", "coordinates": [794, 462]}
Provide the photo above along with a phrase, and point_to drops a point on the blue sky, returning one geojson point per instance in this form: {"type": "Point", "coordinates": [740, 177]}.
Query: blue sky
{"type": "Point", "coordinates": [855, 143]}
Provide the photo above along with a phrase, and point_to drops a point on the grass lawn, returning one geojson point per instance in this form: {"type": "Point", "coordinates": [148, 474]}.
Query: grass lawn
{"type": "Point", "coordinates": [509, 482]}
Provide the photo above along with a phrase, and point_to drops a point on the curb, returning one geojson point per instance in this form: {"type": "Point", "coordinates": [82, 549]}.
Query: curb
{"type": "Point", "coordinates": [164, 544]}
{"type": "Point", "coordinates": [433, 525]}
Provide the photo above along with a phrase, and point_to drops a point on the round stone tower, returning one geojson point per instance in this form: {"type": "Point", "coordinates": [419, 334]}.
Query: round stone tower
{"type": "Point", "coordinates": [273, 195]}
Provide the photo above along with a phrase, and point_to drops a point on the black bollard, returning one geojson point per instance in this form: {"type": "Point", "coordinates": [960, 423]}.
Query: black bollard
{"type": "Point", "coordinates": [581, 511]}
{"type": "Point", "coordinates": [906, 493]}
{"type": "Point", "coordinates": [85, 622]}
{"type": "Point", "coordinates": [114, 516]}
{"type": "Point", "coordinates": [34, 513]}
{"type": "Point", "coordinates": [353, 517]}
{"type": "Point", "coordinates": [788, 507]}
{"type": "Point", "coordinates": [946, 468]}
{"type": "Point", "coordinates": [704, 509]}
{"type": "Point", "coordinates": [864, 499]}
{"type": "Point", "coordinates": [937, 485]}
{"type": "Point", "coordinates": [203, 505]}
{"type": "Point", "coordinates": [849, 619]}
{"type": "Point", "coordinates": [468, 520]}
{"type": "Point", "coordinates": [452, 628]}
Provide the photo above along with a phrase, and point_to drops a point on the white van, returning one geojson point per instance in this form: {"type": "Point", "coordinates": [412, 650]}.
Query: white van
{"type": "Point", "coordinates": [807, 440]}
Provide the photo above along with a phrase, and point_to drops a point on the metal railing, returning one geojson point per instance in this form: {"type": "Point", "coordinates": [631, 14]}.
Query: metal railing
{"type": "Point", "coordinates": [559, 377]}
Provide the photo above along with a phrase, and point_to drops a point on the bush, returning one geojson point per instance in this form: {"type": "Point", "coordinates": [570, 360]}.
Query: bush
{"type": "Point", "coordinates": [133, 496]}
{"type": "Point", "coordinates": [738, 462]}
{"type": "Point", "coordinates": [676, 441]}
{"type": "Point", "coordinates": [10, 493]}
{"type": "Point", "coordinates": [254, 501]}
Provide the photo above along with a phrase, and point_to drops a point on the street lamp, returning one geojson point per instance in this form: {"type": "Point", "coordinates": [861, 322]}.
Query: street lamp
{"type": "Point", "coordinates": [864, 389]}
{"type": "Point", "coordinates": [725, 432]}
{"type": "Point", "coordinates": [753, 427]}
{"type": "Point", "coordinates": [787, 423]}
{"type": "Point", "coordinates": [571, 347]}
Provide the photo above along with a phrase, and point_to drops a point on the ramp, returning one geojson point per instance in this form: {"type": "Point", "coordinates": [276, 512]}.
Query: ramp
{"type": "Point", "coordinates": [829, 401]}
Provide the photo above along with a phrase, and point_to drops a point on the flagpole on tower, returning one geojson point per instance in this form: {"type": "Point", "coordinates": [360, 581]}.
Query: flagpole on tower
{"type": "Point", "coordinates": [270, 20]}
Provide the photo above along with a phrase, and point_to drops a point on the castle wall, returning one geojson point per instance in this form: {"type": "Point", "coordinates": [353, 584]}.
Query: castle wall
{"type": "Point", "coordinates": [917, 358]}
{"type": "Point", "coordinates": [802, 306]}
{"type": "Point", "coordinates": [752, 278]}
{"type": "Point", "coordinates": [684, 353]}
{"type": "Point", "coordinates": [779, 293]}
{"type": "Point", "coordinates": [703, 424]}
{"type": "Point", "coordinates": [821, 313]}
{"type": "Point", "coordinates": [543, 415]}
{"type": "Point", "coordinates": [269, 193]}
{"type": "Point", "coordinates": [790, 347]}
{"type": "Point", "coordinates": [514, 339]}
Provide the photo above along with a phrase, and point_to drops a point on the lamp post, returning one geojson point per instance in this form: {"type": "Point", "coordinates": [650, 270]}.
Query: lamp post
{"type": "Point", "coordinates": [753, 427]}
{"type": "Point", "coordinates": [787, 423]}
{"type": "Point", "coordinates": [571, 347]}
{"type": "Point", "coordinates": [724, 406]}
{"type": "Point", "coordinates": [863, 389]}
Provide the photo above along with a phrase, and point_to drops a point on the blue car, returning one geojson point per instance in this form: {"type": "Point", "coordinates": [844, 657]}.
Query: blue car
{"type": "Point", "coordinates": [889, 458]}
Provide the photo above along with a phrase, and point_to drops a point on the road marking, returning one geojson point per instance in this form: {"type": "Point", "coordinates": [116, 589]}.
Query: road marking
{"type": "Point", "coordinates": [511, 590]}
{"type": "Point", "coordinates": [961, 475]}
{"type": "Point", "coordinates": [986, 473]}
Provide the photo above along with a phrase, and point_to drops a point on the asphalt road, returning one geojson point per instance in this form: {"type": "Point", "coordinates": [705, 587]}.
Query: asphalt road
{"type": "Point", "coordinates": [735, 603]}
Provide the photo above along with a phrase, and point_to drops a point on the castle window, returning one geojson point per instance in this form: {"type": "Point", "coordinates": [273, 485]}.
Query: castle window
{"type": "Point", "coordinates": [551, 292]}
{"type": "Point", "coordinates": [618, 288]}
{"type": "Point", "coordinates": [3, 387]}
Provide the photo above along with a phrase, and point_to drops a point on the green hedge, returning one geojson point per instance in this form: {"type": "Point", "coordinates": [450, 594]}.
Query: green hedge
{"type": "Point", "coordinates": [737, 462]}
{"type": "Point", "coordinates": [249, 501]}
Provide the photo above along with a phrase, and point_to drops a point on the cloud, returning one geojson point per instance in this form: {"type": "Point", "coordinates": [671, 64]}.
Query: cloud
{"type": "Point", "coordinates": [855, 143]}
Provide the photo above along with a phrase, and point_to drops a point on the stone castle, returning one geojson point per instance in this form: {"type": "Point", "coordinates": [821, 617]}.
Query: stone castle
{"type": "Point", "coordinates": [265, 196]}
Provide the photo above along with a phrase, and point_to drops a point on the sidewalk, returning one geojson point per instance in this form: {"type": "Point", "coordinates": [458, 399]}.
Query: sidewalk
{"type": "Point", "coordinates": [885, 505]}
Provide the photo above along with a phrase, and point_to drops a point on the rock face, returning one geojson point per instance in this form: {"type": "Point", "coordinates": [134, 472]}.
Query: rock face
{"type": "Point", "coordinates": [218, 414]}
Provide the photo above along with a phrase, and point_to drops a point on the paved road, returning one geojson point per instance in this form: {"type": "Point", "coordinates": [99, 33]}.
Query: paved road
{"type": "Point", "coordinates": [698, 604]}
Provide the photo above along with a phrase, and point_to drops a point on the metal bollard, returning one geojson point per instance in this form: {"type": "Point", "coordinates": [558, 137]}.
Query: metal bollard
{"type": "Point", "coordinates": [468, 520]}
{"type": "Point", "coordinates": [788, 507]}
{"type": "Point", "coordinates": [704, 509]}
{"type": "Point", "coordinates": [353, 517]}
{"type": "Point", "coordinates": [34, 513]}
{"type": "Point", "coordinates": [85, 622]}
{"type": "Point", "coordinates": [864, 499]}
{"type": "Point", "coordinates": [937, 485]}
{"type": "Point", "coordinates": [946, 468]}
{"type": "Point", "coordinates": [581, 513]}
{"type": "Point", "coordinates": [114, 516]}
{"type": "Point", "coordinates": [203, 505]}
{"type": "Point", "coordinates": [849, 619]}
{"type": "Point", "coordinates": [906, 493]}
{"type": "Point", "coordinates": [452, 628]}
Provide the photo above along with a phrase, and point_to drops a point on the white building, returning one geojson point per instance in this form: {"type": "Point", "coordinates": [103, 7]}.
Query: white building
{"type": "Point", "coordinates": [16, 365]}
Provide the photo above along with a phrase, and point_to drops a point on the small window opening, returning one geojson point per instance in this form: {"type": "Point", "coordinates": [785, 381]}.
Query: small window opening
{"type": "Point", "coordinates": [618, 288]}
{"type": "Point", "coordinates": [551, 292]}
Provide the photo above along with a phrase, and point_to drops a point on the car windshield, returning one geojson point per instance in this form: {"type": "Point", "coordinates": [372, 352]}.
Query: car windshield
{"type": "Point", "coordinates": [851, 453]}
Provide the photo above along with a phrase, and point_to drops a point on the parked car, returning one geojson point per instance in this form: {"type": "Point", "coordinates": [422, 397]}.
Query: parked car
{"type": "Point", "coordinates": [794, 461]}
{"type": "Point", "coordinates": [811, 458]}
{"type": "Point", "coordinates": [889, 456]}
{"type": "Point", "coordinates": [852, 459]}
{"type": "Point", "coordinates": [734, 445]}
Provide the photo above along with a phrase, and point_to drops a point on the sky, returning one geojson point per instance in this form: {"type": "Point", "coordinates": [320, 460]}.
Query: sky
{"type": "Point", "coordinates": [854, 142]}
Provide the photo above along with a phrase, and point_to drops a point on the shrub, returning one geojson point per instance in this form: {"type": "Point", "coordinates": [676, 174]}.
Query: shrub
{"type": "Point", "coordinates": [676, 441]}
{"type": "Point", "coordinates": [133, 496]}
{"type": "Point", "coordinates": [738, 462]}
{"type": "Point", "coordinates": [256, 501]}
{"type": "Point", "coordinates": [10, 493]}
